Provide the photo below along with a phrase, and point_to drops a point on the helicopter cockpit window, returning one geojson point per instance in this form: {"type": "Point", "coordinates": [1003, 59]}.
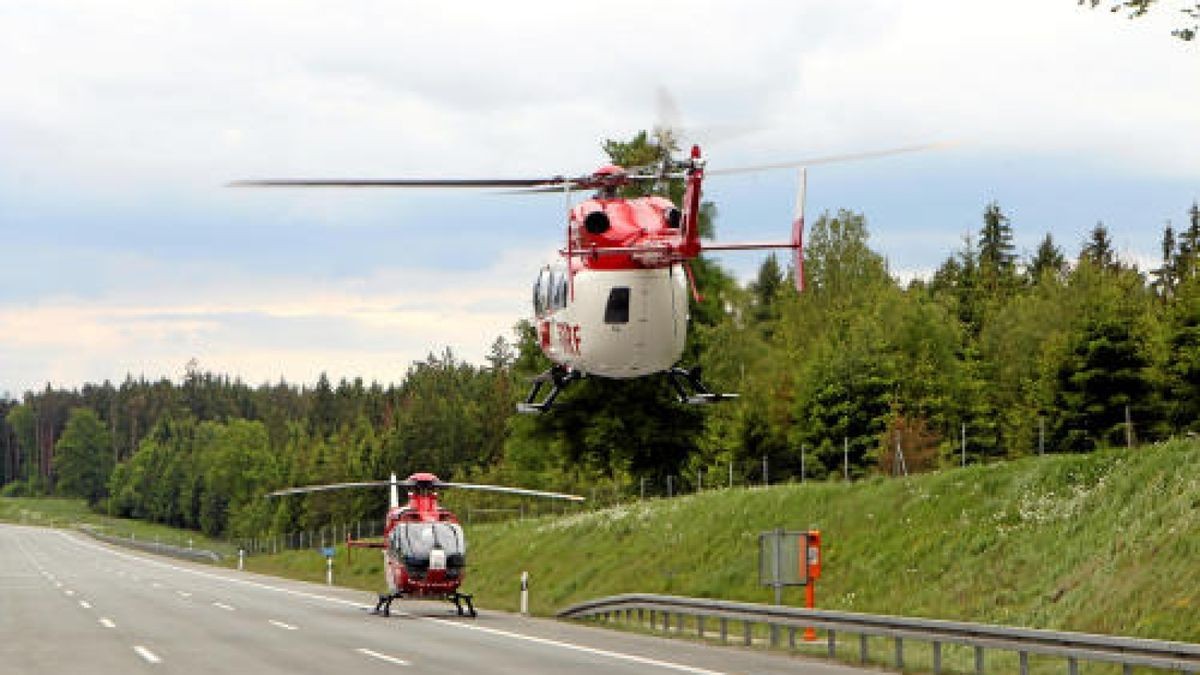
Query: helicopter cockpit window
{"type": "Point", "coordinates": [554, 304]}
{"type": "Point", "coordinates": [617, 309]}
{"type": "Point", "coordinates": [415, 541]}
{"type": "Point", "coordinates": [541, 292]}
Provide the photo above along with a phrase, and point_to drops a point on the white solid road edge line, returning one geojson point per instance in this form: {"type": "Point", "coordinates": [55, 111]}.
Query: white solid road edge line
{"type": "Point", "coordinates": [315, 596]}
{"type": "Point", "coordinates": [280, 624]}
{"type": "Point", "coordinates": [107, 622]}
{"type": "Point", "coordinates": [382, 657]}
{"type": "Point", "coordinates": [150, 656]}
{"type": "Point", "coordinates": [644, 660]}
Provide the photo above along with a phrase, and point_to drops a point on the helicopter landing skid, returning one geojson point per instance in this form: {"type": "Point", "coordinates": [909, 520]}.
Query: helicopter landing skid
{"type": "Point", "coordinates": [458, 599]}
{"type": "Point", "coordinates": [558, 377]}
{"type": "Point", "coordinates": [683, 378]}
{"type": "Point", "coordinates": [384, 606]}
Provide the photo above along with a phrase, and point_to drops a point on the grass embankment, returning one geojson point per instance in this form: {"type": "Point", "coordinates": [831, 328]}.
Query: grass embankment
{"type": "Point", "coordinates": [1107, 543]}
{"type": "Point", "coordinates": [55, 512]}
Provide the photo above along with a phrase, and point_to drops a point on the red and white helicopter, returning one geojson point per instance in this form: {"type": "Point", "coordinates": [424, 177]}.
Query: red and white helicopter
{"type": "Point", "coordinates": [424, 548]}
{"type": "Point", "coordinates": [615, 304]}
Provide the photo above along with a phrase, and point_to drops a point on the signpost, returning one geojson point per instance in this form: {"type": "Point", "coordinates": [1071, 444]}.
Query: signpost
{"type": "Point", "coordinates": [329, 552]}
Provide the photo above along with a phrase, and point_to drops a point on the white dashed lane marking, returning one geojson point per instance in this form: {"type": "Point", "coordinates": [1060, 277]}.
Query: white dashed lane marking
{"type": "Point", "coordinates": [150, 656]}
{"type": "Point", "coordinates": [107, 622]}
{"type": "Point", "coordinates": [382, 657]}
{"type": "Point", "coordinates": [280, 624]}
{"type": "Point", "coordinates": [223, 606]}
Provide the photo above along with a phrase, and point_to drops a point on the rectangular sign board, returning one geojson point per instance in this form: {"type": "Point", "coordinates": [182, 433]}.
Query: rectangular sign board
{"type": "Point", "coordinates": [782, 558]}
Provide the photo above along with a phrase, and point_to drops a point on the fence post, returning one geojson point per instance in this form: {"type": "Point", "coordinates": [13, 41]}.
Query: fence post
{"type": "Point", "coordinates": [766, 475]}
{"type": "Point", "coordinates": [964, 444]}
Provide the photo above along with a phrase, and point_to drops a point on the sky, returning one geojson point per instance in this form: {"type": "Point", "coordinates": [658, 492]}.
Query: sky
{"type": "Point", "coordinates": [122, 253]}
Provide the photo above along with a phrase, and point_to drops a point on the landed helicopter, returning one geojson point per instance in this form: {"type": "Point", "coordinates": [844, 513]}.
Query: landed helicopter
{"type": "Point", "coordinates": [616, 302]}
{"type": "Point", "coordinates": [424, 548]}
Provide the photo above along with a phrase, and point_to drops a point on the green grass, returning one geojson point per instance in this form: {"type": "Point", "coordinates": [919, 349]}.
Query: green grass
{"type": "Point", "coordinates": [58, 512]}
{"type": "Point", "coordinates": [1106, 543]}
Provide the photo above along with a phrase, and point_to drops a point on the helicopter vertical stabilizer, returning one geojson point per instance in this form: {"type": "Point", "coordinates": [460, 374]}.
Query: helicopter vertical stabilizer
{"type": "Point", "coordinates": [798, 231]}
{"type": "Point", "coordinates": [394, 493]}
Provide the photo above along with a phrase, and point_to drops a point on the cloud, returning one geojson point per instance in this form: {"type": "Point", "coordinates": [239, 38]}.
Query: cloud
{"type": "Point", "coordinates": [371, 327]}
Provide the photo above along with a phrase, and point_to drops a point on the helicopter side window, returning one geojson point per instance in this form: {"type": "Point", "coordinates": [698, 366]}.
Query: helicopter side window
{"type": "Point", "coordinates": [617, 309]}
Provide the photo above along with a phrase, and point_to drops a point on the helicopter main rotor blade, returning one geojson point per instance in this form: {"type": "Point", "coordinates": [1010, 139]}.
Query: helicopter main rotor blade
{"type": "Point", "coordinates": [401, 182]}
{"type": "Point", "coordinates": [828, 159]}
{"type": "Point", "coordinates": [512, 491]}
{"type": "Point", "coordinates": [331, 486]}
{"type": "Point", "coordinates": [585, 184]}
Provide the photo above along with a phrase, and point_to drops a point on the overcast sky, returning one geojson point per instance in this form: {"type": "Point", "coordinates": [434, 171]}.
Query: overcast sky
{"type": "Point", "coordinates": [121, 252]}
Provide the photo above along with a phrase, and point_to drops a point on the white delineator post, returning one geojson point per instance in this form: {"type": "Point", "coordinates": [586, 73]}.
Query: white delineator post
{"type": "Point", "coordinates": [524, 593]}
{"type": "Point", "coordinates": [241, 559]}
{"type": "Point", "coordinates": [329, 571]}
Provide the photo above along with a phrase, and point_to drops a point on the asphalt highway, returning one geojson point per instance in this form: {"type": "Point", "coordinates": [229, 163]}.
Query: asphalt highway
{"type": "Point", "coordinates": [70, 604]}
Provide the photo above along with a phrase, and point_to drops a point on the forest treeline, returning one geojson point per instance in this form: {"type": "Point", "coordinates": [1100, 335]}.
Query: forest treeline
{"type": "Point", "coordinates": [1061, 351]}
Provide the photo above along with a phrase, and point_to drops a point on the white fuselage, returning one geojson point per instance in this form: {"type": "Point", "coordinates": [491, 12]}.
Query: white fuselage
{"type": "Point", "coordinates": [619, 323]}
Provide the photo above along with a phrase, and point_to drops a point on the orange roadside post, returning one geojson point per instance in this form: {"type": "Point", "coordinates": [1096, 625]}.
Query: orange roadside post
{"type": "Point", "coordinates": [812, 559]}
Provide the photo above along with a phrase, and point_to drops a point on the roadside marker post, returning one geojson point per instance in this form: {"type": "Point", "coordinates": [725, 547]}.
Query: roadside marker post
{"type": "Point", "coordinates": [524, 593]}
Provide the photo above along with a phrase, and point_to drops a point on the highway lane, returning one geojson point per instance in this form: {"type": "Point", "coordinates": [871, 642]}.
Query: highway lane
{"type": "Point", "coordinates": [67, 601]}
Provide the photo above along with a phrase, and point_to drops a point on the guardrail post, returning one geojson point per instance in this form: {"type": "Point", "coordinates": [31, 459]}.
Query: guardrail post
{"type": "Point", "coordinates": [1024, 663]}
{"type": "Point", "coordinates": [724, 630]}
{"type": "Point", "coordinates": [774, 641]}
{"type": "Point", "coordinates": [979, 661]}
{"type": "Point", "coordinates": [1072, 666]}
{"type": "Point", "coordinates": [899, 653]}
{"type": "Point", "coordinates": [937, 658]}
{"type": "Point", "coordinates": [864, 649]}
{"type": "Point", "coordinates": [746, 632]}
{"type": "Point", "coordinates": [832, 643]}
{"type": "Point", "coordinates": [652, 626]}
{"type": "Point", "coordinates": [700, 626]}
{"type": "Point", "coordinates": [791, 638]}
{"type": "Point", "coordinates": [641, 619]}
{"type": "Point", "coordinates": [679, 622]}
{"type": "Point", "coordinates": [1127, 669]}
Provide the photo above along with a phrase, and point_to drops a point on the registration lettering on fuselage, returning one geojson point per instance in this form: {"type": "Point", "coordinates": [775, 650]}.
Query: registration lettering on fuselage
{"type": "Point", "coordinates": [568, 337]}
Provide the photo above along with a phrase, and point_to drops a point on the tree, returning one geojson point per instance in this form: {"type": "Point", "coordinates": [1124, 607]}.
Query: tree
{"type": "Point", "coordinates": [1165, 276]}
{"type": "Point", "coordinates": [84, 459]}
{"type": "Point", "coordinates": [1139, 8]}
{"type": "Point", "coordinates": [765, 293]}
{"type": "Point", "coordinates": [1098, 250]}
{"type": "Point", "coordinates": [1048, 259]}
{"type": "Point", "coordinates": [997, 259]}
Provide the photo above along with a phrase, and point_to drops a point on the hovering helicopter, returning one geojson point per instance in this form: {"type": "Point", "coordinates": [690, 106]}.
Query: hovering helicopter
{"type": "Point", "coordinates": [424, 548]}
{"type": "Point", "coordinates": [615, 303]}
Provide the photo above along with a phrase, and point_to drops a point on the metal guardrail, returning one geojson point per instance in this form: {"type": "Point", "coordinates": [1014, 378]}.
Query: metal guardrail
{"type": "Point", "coordinates": [198, 554]}
{"type": "Point", "coordinates": [1074, 647]}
